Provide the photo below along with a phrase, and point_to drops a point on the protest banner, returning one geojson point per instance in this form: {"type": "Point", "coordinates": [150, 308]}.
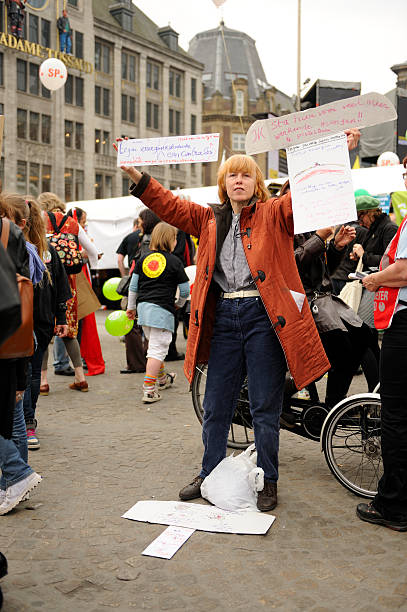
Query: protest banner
{"type": "Point", "coordinates": [196, 148]}
{"type": "Point", "coordinates": [399, 201]}
{"type": "Point", "coordinates": [307, 125]}
{"type": "Point", "coordinates": [321, 184]}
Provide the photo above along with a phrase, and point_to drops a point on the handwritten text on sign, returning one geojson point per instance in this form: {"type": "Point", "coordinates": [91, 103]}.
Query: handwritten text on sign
{"type": "Point", "coordinates": [289, 130]}
{"type": "Point", "coordinates": [172, 150]}
{"type": "Point", "coordinates": [321, 184]}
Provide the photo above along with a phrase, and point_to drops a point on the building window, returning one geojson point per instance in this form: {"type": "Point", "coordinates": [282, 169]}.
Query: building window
{"type": "Point", "coordinates": [79, 184]}
{"type": "Point", "coordinates": [193, 90]}
{"type": "Point", "coordinates": [34, 80]}
{"type": "Point", "coordinates": [78, 91]}
{"type": "Point", "coordinates": [79, 44]}
{"type": "Point", "coordinates": [74, 90]}
{"type": "Point", "coordinates": [239, 102]}
{"type": "Point", "coordinates": [21, 123]}
{"type": "Point", "coordinates": [125, 186]}
{"type": "Point", "coordinates": [34, 179]}
{"type": "Point", "coordinates": [68, 90]}
{"type": "Point", "coordinates": [103, 186]}
{"type": "Point", "coordinates": [102, 57]}
{"type": "Point", "coordinates": [152, 116]}
{"type": "Point", "coordinates": [102, 142]}
{"type": "Point", "coordinates": [73, 3]}
{"type": "Point", "coordinates": [21, 177]}
{"type": "Point", "coordinates": [193, 124]}
{"type": "Point", "coordinates": [102, 101]}
{"type": "Point", "coordinates": [68, 133]}
{"type": "Point", "coordinates": [153, 76]}
{"type": "Point", "coordinates": [21, 75]}
{"type": "Point", "coordinates": [1, 70]}
{"type": "Point", "coordinates": [106, 102]}
{"type": "Point", "coordinates": [46, 129]}
{"type": "Point", "coordinates": [33, 28]}
{"type": "Point", "coordinates": [128, 67]}
{"type": "Point", "coordinates": [175, 83]}
{"type": "Point", "coordinates": [68, 184]}
{"type": "Point", "coordinates": [45, 33]}
{"type": "Point", "coordinates": [174, 121]}
{"type": "Point", "coordinates": [128, 108]}
{"type": "Point", "coordinates": [239, 142]}
{"type": "Point", "coordinates": [34, 126]}
{"type": "Point", "coordinates": [98, 140]}
{"type": "Point", "coordinates": [46, 178]}
{"type": "Point", "coordinates": [79, 138]}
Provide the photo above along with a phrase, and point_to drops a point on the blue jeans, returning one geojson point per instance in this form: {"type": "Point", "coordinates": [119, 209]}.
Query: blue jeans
{"type": "Point", "coordinates": [33, 385]}
{"type": "Point", "coordinates": [65, 42]}
{"type": "Point", "coordinates": [243, 342]}
{"type": "Point", "coordinates": [61, 359]}
{"type": "Point", "coordinates": [14, 452]}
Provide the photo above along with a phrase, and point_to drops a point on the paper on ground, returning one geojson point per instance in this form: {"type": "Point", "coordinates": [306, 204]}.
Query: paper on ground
{"type": "Point", "coordinates": [288, 130]}
{"type": "Point", "coordinates": [168, 150]}
{"type": "Point", "coordinates": [321, 184]}
{"type": "Point", "coordinates": [167, 544]}
{"type": "Point", "coordinates": [198, 516]}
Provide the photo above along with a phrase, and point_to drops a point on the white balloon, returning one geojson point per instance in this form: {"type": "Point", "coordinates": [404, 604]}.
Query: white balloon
{"type": "Point", "coordinates": [53, 73]}
{"type": "Point", "coordinates": [388, 158]}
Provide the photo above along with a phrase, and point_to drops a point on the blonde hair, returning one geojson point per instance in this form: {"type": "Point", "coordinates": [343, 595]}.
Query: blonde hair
{"type": "Point", "coordinates": [26, 207]}
{"type": "Point", "coordinates": [50, 201]}
{"type": "Point", "coordinates": [242, 163]}
{"type": "Point", "coordinates": [162, 237]}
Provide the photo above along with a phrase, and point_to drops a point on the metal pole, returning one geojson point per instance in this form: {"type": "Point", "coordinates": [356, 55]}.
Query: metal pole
{"type": "Point", "coordinates": [299, 58]}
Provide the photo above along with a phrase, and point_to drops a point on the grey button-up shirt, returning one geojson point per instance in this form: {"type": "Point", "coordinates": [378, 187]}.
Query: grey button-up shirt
{"type": "Point", "coordinates": [231, 270]}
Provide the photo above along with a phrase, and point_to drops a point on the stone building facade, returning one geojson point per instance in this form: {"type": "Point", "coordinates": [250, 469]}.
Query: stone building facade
{"type": "Point", "coordinates": [235, 92]}
{"type": "Point", "coordinates": [126, 77]}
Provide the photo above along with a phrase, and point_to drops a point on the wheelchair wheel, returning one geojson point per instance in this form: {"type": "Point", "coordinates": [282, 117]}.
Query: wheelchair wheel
{"type": "Point", "coordinates": [241, 433]}
{"type": "Point", "coordinates": [351, 442]}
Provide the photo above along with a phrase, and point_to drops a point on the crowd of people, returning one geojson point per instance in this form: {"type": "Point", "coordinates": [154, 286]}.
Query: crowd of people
{"type": "Point", "coordinates": [245, 316]}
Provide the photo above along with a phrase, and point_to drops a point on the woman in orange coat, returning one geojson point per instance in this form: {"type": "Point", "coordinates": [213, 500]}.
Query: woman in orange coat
{"type": "Point", "coordinates": [248, 309]}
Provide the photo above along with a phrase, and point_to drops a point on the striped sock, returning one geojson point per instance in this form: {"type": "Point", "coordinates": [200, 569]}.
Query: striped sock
{"type": "Point", "coordinates": [162, 376]}
{"type": "Point", "coordinates": [149, 383]}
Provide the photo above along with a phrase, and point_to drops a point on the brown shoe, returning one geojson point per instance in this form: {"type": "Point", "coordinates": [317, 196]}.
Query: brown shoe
{"type": "Point", "coordinates": [193, 490]}
{"type": "Point", "coordinates": [79, 386]}
{"type": "Point", "coordinates": [267, 498]}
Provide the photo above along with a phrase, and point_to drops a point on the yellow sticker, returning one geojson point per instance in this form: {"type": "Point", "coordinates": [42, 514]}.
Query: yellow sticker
{"type": "Point", "coordinates": [154, 265]}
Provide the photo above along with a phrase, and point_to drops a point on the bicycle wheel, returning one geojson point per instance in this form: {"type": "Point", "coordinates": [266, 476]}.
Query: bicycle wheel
{"type": "Point", "coordinates": [241, 433]}
{"type": "Point", "coordinates": [351, 443]}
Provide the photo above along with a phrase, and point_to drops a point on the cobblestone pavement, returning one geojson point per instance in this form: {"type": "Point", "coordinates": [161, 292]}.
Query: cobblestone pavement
{"type": "Point", "coordinates": [69, 549]}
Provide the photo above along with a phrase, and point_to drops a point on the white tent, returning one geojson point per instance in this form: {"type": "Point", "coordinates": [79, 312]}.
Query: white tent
{"type": "Point", "coordinates": [110, 220]}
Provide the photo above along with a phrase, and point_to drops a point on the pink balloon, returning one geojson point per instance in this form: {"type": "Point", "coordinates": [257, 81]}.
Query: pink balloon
{"type": "Point", "coordinates": [53, 73]}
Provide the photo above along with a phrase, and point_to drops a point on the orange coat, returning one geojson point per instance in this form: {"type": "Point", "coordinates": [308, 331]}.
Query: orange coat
{"type": "Point", "coordinates": [269, 251]}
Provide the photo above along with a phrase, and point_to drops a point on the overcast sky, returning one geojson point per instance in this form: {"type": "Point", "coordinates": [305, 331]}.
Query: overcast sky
{"type": "Point", "coordinates": [349, 40]}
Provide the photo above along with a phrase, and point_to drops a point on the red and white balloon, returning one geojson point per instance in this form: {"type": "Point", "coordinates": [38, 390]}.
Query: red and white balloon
{"type": "Point", "coordinates": [53, 73]}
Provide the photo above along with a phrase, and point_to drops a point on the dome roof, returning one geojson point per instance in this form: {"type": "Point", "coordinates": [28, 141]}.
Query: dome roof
{"type": "Point", "coordinates": [221, 68]}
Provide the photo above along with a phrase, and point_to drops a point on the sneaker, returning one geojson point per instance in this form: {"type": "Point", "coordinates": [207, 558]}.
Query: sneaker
{"type": "Point", "coordinates": [151, 396]}
{"type": "Point", "coordinates": [3, 496]}
{"type": "Point", "coordinates": [267, 498]}
{"type": "Point", "coordinates": [32, 440]}
{"type": "Point", "coordinates": [168, 380]}
{"type": "Point", "coordinates": [17, 492]}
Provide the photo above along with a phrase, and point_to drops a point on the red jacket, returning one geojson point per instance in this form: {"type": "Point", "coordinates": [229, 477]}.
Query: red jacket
{"type": "Point", "coordinates": [268, 246]}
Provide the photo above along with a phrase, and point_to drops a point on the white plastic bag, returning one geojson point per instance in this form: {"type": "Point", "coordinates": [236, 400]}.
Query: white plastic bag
{"type": "Point", "coordinates": [234, 483]}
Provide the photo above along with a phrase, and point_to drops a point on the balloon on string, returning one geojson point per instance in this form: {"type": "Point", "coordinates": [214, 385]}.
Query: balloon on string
{"type": "Point", "coordinates": [53, 73]}
{"type": "Point", "coordinates": [117, 323]}
{"type": "Point", "coordinates": [109, 289]}
{"type": "Point", "coordinates": [388, 158]}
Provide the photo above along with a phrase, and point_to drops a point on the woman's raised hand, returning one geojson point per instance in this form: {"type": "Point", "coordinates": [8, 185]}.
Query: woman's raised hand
{"type": "Point", "coordinates": [134, 174]}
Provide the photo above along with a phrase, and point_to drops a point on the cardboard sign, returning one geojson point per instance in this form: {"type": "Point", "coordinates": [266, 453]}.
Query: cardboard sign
{"type": "Point", "coordinates": [172, 150]}
{"type": "Point", "coordinates": [296, 128]}
{"type": "Point", "coordinates": [198, 516]}
{"type": "Point", "coordinates": [321, 184]}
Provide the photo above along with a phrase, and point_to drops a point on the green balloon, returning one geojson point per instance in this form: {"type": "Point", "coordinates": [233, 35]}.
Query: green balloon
{"type": "Point", "coordinates": [117, 323]}
{"type": "Point", "coordinates": [109, 289]}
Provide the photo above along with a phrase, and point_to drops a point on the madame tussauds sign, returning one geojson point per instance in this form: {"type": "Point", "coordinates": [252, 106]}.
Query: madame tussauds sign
{"type": "Point", "coordinates": [37, 50]}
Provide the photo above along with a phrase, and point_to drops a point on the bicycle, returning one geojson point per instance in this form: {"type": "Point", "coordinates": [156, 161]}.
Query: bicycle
{"type": "Point", "coordinates": [349, 433]}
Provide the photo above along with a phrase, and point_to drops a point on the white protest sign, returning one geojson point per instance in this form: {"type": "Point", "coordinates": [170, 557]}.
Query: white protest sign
{"type": "Point", "coordinates": [321, 184]}
{"type": "Point", "coordinates": [168, 150]}
{"type": "Point", "coordinates": [197, 516]}
{"type": "Point", "coordinates": [167, 544]}
{"type": "Point", "coordinates": [289, 130]}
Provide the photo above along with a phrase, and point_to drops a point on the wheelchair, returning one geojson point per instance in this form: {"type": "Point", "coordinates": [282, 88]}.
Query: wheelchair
{"type": "Point", "coordinates": [349, 433]}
